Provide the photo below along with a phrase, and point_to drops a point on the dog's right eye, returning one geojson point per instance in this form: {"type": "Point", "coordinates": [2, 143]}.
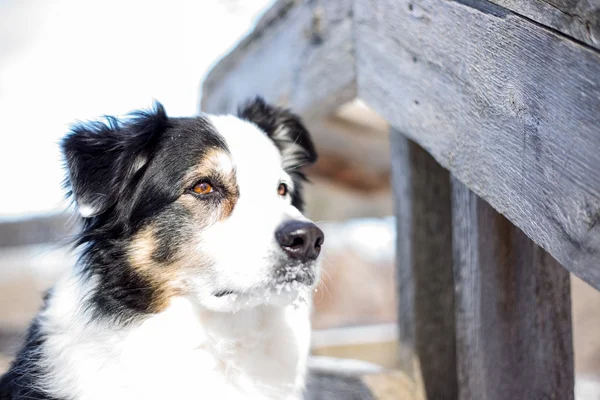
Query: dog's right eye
{"type": "Point", "coordinates": [202, 187]}
{"type": "Point", "coordinates": [282, 190]}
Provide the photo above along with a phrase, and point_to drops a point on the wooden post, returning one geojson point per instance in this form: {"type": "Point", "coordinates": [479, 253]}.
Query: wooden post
{"type": "Point", "coordinates": [513, 309]}
{"type": "Point", "coordinates": [424, 268]}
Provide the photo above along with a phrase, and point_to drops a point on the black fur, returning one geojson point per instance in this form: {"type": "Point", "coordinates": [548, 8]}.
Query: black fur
{"type": "Point", "coordinates": [167, 240]}
{"type": "Point", "coordinates": [100, 156]}
{"type": "Point", "coordinates": [272, 120]}
{"type": "Point", "coordinates": [19, 383]}
{"type": "Point", "coordinates": [129, 171]}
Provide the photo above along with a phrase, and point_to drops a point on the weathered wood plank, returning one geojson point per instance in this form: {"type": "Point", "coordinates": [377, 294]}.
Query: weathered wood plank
{"type": "Point", "coordinates": [332, 386]}
{"type": "Point", "coordinates": [579, 19]}
{"type": "Point", "coordinates": [424, 268]}
{"type": "Point", "coordinates": [300, 55]}
{"type": "Point", "coordinates": [513, 309]}
{"type": "Point", "coordinates": [36, 230]}
{"type": "Point", "coordinates": [512, 109]}
{"type": "Point", "coordinates": [347, 379]}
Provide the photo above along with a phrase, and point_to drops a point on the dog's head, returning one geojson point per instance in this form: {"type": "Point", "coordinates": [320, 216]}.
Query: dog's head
{"type": "Point", "coordinates": [207, 207]}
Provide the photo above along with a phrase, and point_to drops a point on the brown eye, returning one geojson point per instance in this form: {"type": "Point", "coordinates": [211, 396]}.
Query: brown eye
{"type": "Point", "coordinates": [202, 188]}
{"type": "Point", "coordinates": [282, 190]}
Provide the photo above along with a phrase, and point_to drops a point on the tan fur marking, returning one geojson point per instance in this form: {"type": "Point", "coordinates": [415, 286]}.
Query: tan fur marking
{"type": "Point", "coordinates": [141, 249]}
{"type": "Point", "coordinates": [217, 162]}
{"type": "Point", "coordinates": [214, 161]}
{"type": "Point", "coordinates": [162, 277]}
{"type": "Point", "coordinates": [231, 198]}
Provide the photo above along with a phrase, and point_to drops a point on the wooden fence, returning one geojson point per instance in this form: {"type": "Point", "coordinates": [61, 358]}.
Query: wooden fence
{"type": "Point", "coordinates": [494, 108]}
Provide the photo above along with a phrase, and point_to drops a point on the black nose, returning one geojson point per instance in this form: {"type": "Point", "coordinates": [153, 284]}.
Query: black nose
{"type": "Point", "coordinates": [301, 240]}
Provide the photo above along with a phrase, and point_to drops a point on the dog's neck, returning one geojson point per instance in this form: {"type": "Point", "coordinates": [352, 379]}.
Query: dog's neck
{"type": "Point", "coordinates": [183, 352]}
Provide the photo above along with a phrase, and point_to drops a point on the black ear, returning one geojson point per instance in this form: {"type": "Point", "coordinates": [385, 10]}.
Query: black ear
{"type": "Point", "coordinates": [289, 135]}
{"type": "Point", "coordinates": [285, 129]}
{"type": "Point", "coordinates": [103, 158]}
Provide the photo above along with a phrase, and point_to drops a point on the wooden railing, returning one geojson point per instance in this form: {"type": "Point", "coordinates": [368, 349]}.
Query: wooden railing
{"type": "Point", "coordinates": [495, 115]}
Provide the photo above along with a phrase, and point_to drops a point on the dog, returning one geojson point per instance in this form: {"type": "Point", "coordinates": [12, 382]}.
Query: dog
{"type": "Point", "coordinates": [196, 267]}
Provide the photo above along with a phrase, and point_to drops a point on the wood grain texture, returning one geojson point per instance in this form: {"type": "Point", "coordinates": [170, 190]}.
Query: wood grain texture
{"type": "Point", "coordinates": [510, 108]}
{"type": "Point", "coordinates": [513, 309]}
{"type": "Point", "coordinates": [424, 268]}
{"type": "Point", "coordinates": [300, 55]}
{"type": "Point", "coordinates": [579, 19]}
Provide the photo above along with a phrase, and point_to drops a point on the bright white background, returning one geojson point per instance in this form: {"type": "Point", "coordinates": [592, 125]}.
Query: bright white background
{"type": "Point", "coordinates": [68, 60]}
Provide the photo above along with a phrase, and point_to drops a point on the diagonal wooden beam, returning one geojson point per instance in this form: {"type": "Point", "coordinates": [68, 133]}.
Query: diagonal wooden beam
{"type": "Point", "coordinates": [511, 108]}
{"type": "Point", "coordinates": [300, 54]}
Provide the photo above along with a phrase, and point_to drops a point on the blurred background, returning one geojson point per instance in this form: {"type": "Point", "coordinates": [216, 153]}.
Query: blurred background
{"type": "Point", "coordinates": [67, 60]}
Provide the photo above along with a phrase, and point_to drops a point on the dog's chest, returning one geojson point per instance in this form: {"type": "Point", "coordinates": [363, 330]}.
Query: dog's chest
{"type": "Point", "coordinates": [253, 356]}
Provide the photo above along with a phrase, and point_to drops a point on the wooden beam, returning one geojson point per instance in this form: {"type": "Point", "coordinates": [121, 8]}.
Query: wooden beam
{"type": "Point", "coordinates": [511, 108]}
{"type": "Point", "coordinates": [55, 228]}
{"type": "Point", "coordinates": [300, 54]}
{"type": "Point", "coordinates": [349, 173]}
{"type": "Point", "coordinates": [351, 154]}
{"type": "Point", "coordinates": [348, 379]}
{"type": "Point", "coordinates": [335, 386]}
{"type": "Point", "coordinates": [424, 268]}
{"type": "Point", "coordinates": [513, 309]}
{"type": "Point", "coordinates": [575, 18]}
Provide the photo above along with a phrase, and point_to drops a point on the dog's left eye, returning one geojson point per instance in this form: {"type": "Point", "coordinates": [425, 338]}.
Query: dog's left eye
{"type": "Point", "coordinates": [202, 188]}
{"type": "Point", "coordinates": [282, 190]}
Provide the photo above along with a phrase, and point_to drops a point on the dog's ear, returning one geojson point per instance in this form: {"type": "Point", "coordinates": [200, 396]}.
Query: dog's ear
{"type": "Point", "coordinates": [285, 129]}
{"type": "Point", "coordinates": [290, 136]}
{"type": "Point", "coordinates": [104, 158]}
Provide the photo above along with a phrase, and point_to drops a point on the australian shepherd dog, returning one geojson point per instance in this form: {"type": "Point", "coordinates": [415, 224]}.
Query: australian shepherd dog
{"type": "Point", "coordinates": [196, 264]}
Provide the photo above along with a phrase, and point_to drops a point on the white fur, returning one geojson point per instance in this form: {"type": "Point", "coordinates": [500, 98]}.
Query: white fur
{"type": "Point", "coordinates": [242, 248]}
{"type": "Point", "coordinates": [86, 211]}
{"type": "Point", "coordinates": [249, 345]}
{"type": "Point", "coordinates": [185, 352]}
